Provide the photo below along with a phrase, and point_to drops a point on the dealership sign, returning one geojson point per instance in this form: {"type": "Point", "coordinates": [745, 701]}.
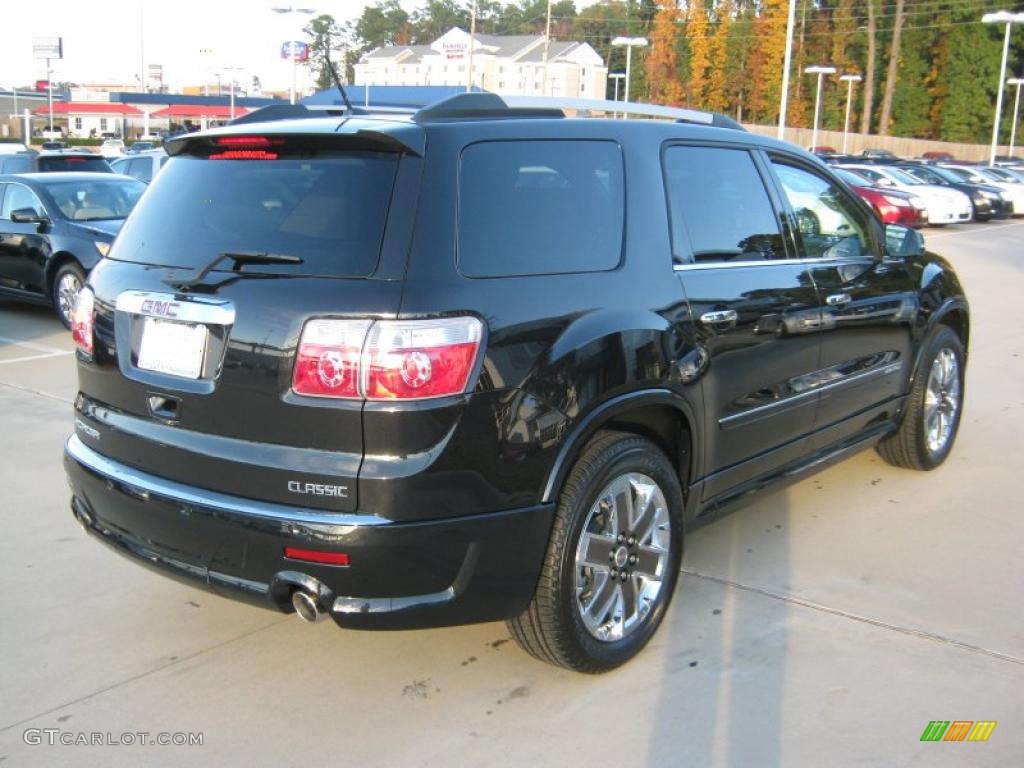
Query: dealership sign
{"type": "Point", "coordinates": [47, 48]}
{"type": "Point", "coordinates": [295, 49]}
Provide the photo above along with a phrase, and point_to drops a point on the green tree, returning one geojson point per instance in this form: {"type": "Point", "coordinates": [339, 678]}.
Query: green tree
{"type": "Point", "coordinates": [327, 41]}
{"type": "Point", "coordinates": [972, 77]}
{"type": "Point", "coordinates": [384, 23]}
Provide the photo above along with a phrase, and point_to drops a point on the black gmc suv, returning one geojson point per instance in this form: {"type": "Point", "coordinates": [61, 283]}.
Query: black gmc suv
{"type": "Point", "coordinates": [488, 362]}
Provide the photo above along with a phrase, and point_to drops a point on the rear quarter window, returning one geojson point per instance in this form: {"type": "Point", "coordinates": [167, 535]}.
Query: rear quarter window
{"type": "Point", "coordinates": [540, 207]}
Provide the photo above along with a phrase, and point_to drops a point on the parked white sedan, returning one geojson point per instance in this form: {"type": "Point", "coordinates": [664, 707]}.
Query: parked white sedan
{"type": "Point", "coordinates": [945, 205]}
{"type": "Point", "coordinates": [997, 177]}
{"type": "Point", "coordinates": [112, 148]}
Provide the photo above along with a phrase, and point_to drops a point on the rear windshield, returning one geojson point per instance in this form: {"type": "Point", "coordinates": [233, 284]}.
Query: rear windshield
{"type": "Point", "coordinates": [326, 208]}
{"type": "Point", "coordinates": [54, 163]}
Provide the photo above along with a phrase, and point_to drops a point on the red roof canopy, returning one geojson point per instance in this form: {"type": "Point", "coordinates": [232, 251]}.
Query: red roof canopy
{"type": "Point", "coordinates": [199, 110]}
{"type": "Point", "coordinates": [88, 108]}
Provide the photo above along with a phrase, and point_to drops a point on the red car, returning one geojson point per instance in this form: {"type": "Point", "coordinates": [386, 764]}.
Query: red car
{"type": "Point", "coordinates": [892, 205]}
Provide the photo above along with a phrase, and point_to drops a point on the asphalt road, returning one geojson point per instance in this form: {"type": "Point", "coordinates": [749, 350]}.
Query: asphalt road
{"type": "Point", "coordinates": [825, 625]}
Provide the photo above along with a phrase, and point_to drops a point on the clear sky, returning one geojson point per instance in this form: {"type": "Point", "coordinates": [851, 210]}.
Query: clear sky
{"type": "Point", "coordinates": [191, 39]}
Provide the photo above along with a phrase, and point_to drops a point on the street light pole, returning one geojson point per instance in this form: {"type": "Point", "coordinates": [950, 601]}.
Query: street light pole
{"type": "Point", "coordinates": [1009, 19]}
{"type": "Point", "coordinates": [820, 71]}
{"type": "Point", "coordinates": [616, 77]}
{"type": "Point", "coordinates": [288, 10]}
{"type": "Point", "coordinates": [786, 66]}
{"type": "Point", "coordinates": [849, 80]}
{"type": "Point", "coordinates": [1017, 81]}
{"type": "Point", "coordinates": [629, 43]}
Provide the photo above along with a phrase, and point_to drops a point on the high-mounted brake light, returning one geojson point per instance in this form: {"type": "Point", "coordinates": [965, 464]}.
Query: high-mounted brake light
{"type": "Point", "coordinates": [83, 316]}
{"type": "Point", "coordinates": [244, 154]}
{"type": "Point", "coordinates": [245, 141]}
{"type": "Point", "coordinates": [387, 359]}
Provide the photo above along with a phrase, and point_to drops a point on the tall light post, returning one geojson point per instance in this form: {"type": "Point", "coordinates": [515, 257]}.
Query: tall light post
{"type": "Point", "coordinates": [786, 66]}
{"type": "Point", "coordinates": [1009, 19]}
{"type": "Point", "coordinates": [232, 69]}
{"type": "Point", "coordinates": [616, 76]}
{"type": "Point", "coordinates": [288, 10]}
{"type": "Point", "coordinates": [1017, 81]}
{"type": "Point", "coordinates": [629, 43]}
{"type": "Point", "coordinates": [820, 71]}
{"type": "Point", "coordinates": [849, 80]}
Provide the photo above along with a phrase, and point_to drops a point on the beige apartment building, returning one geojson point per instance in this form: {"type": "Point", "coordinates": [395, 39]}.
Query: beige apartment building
{"type": "Point", "coordinates": [501, 64]}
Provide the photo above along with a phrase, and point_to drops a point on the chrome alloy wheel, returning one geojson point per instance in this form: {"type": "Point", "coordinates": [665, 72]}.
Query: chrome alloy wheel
{"type": "Point", "coordinates": [67, 292]}
{"type": "Point", "coordinates": [941, 400]}
{"type": "Point", "coordinates": [622, 555]}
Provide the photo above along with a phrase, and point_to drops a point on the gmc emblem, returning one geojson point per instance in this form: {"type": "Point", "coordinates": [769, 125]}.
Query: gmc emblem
{"type": "Point", "coordinates": [160, 308]}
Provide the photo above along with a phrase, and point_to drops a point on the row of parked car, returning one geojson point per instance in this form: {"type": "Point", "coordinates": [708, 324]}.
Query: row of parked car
{"type": "Point", "coordinates": [933, 190]}
{"type": "Point", "coordinates": [60, 210]}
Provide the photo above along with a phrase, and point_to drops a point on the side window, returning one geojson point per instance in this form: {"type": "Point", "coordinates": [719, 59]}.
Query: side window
{"type": "Point", "coordinates": [19, 198]}
{"type": "Point", "coordinates": [140, 168]}
{"type": "Point", "coordinates": [540, 207]}
{"type": "Point", "coordinates": [829, 224]}
{"type": "Point", "coordinates": [120, 166]}
{"type": "Point", "coordinates": [719, 207]}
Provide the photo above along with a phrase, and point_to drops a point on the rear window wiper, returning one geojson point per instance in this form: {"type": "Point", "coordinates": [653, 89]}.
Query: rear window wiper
{"type": "Point", "coordinates": [239, 258]}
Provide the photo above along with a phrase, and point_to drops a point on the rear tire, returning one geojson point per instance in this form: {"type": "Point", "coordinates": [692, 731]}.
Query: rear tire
{"type": "Point", "coordinates": [616, 546]}
{"type": "Point", "coordinates": [67, 283]}
{"type": "Point", "coordinates": [932, 416]}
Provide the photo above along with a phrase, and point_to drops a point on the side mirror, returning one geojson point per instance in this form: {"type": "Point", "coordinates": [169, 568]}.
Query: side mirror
{"type": "Point", "coordinates": [902, 242]}
{"type": "Point", "coordinates": [29, 216]}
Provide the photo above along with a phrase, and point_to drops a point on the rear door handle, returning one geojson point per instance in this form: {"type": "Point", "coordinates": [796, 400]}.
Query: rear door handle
{"type": "Point", "coordinates": [720, 319]}
{"type": "Point", "coordinates": [838, 299]}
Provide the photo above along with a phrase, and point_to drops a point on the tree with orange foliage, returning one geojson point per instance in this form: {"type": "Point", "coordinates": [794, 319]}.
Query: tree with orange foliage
{"type": "Point", "coordinates": [662, 67]}
{"type": "Point", "coordinates": [715, 96]}
{"type": "Point", "coordinates": [766, 62]}
{"type": "Point", "coordinates": [697, 38]}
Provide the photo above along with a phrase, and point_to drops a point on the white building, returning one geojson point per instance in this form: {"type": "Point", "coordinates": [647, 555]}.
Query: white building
{"type": "Point", "coordinates": [502, 65]}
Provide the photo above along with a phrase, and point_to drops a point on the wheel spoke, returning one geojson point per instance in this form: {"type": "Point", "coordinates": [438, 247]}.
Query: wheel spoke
{"type": "Point", "coordinates": [596, 550]}
{"type": "Point", "coordinates": [628, 591]}
{"type": "Point", "coordinates": [646, 517]}
{"type": "Point", "coordinates": [624, 509]}
{"type": "Point", "coordinates": [602, 602]}
{"type": "Point", "coordinates": [649, 562]}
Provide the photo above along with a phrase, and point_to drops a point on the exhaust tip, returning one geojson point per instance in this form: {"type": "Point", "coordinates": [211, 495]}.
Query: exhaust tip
{"type": "Point", "coordinates": [307, 607]}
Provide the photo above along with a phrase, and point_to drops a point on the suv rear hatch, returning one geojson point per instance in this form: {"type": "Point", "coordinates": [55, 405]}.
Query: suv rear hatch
{"type": "Point", "coordinates": [201, 304]}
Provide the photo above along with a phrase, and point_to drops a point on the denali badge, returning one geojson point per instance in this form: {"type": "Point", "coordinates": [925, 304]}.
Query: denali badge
{"type": "Point", "coordinates": [316, 489]}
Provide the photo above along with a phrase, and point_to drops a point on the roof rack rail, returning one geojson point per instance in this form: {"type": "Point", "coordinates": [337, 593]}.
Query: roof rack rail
{"type": "Point", "coordinates": [484, 104]}
{"type": "Point", "coordinates": [679, 114]}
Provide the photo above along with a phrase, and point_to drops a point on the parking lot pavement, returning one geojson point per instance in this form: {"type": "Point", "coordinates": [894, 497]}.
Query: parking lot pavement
{"type": "Point", "coordinates": [827, 624]}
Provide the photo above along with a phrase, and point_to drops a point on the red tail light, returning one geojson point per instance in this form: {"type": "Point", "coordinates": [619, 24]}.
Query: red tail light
{"type": "Point", "coordinates": [82, 317]}
{"type": "Point", "coordinates": [414, 359]}
{"type": "Point", "coordinates": [327, 362]}
{"type": "Point", "coordinates": [387, 359]}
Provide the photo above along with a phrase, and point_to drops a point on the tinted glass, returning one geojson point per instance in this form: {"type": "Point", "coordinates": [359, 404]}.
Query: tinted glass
{"type": "Point", "coordinates": [719, 207]}
{"type": "Point", "coordinates": [20, 198]}
{"type": "Point", "coordinates": [120, 166]}
{"type": "Point", "coordinates": [95, 200]}
{"type": "Point", "coordinates": [327, 208]}
{"type": "Point", "coordinates": [540, 207]}
{"type": "Point", "coordinates": [851, 178]}
{"type": "Point", "coordinates": [141, 168]}
{"type": "Point", "coordinates": [926, 175]}
{"type": "Point", "coordinates": [830, 224]}
{"type": "Point", "coordinates": [16, 164]}
{"type": "Point", "coordinates": [51, 163]}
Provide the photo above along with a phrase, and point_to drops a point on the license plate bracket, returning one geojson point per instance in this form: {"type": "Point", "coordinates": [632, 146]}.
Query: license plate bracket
{"type": "Point", "coordinates": [173, 348]}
